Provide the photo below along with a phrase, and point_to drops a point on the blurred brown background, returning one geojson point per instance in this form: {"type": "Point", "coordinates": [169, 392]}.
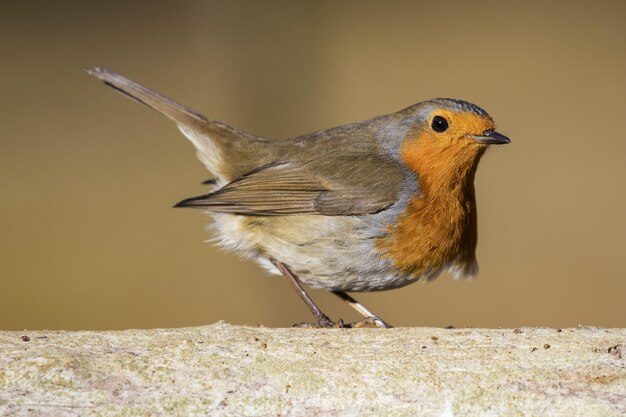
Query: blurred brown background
{"type": "Point", "coordinates": [88, 238]}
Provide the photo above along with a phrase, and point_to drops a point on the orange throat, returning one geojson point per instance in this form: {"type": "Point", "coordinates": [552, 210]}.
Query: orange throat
{"type": "Point", "coordinates": [438, 228]}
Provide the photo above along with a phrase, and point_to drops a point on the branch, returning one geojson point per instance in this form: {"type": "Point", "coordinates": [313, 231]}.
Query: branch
{"type": "Point", "coordinates": [223, 369]}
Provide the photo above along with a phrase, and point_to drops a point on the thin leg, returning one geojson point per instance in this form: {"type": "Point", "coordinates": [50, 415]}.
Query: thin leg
{"type": "Point", "coordinates": [369, 316]}
{"type": "Point", "coordinates": [322, 319]}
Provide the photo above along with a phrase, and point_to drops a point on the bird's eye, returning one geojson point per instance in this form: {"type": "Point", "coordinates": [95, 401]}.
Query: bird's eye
{"type": "Point", "coordinates": [439, 124]}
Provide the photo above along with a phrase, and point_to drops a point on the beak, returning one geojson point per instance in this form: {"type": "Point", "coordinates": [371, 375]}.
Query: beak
{"type": "Point", "coordinates": [491, 137]}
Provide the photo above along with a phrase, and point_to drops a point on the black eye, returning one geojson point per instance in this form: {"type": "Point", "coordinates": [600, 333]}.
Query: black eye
{"type": "Point", "coordinates": [439, 124]}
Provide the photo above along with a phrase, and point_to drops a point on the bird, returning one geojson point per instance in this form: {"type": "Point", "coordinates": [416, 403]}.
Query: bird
{"type": "Point", "coordinates": [368, 206]}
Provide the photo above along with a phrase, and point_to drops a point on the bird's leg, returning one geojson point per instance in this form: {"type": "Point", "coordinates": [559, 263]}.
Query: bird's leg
{"type": "Point", "coordinates": [322, 319]}
{"type": "Point", "coordinates": [370, 318]}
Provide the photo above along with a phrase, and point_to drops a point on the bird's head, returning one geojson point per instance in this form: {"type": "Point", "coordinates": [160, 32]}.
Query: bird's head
{"type": "Point", "coordinates": [448, 135]}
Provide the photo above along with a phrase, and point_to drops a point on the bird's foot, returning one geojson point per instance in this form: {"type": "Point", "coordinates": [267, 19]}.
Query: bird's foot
{"type": "Point", "coordinates": [326, 323]}
{"type": "Point", "coordinates": [322, 325]}
{"type": "Point", "coordinates": [371, 320]}
{"type": "Point", "coordinates": [323, 322]}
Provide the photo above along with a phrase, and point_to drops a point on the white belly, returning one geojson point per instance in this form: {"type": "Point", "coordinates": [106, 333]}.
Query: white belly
{"type": "Point", "coordinates": [334, 253]}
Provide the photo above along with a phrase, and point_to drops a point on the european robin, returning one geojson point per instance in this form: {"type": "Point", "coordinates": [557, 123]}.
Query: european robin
{"type": "Point", "coordinates": [368, 206]}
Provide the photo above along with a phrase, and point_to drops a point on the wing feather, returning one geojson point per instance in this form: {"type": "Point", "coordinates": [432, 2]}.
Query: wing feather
{"type": "Point", "coordinates": [288, 189]}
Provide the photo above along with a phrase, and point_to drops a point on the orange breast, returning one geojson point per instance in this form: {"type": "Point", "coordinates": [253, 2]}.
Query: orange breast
{"type": "Point", "coordinates": [439, 224]}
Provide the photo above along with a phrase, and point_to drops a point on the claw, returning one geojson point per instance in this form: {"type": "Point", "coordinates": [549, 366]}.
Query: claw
{"type": "Point", "coordinates": [323, 325]}
{"type": "Point", "coordinates": [340, 324]}
{"type": "Point", "coordinates": [377, 321]}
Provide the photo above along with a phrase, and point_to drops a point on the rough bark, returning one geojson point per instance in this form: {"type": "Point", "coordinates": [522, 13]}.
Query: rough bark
{"type": "Point", "coordinates": [223, 369]}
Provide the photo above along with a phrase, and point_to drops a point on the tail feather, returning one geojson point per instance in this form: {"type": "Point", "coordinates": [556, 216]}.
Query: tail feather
{"type": "Point", "coordinates": [225, 151]}
{"type": "Point", "coordinates": [169, 108]}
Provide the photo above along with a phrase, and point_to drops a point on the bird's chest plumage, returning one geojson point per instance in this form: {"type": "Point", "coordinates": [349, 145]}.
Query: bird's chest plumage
{"type": "Point", "coordinates": [438, 228]}
{"type": "Point", "coordinates": [434, 232]}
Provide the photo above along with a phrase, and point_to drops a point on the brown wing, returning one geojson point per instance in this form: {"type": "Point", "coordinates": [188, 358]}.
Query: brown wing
{"type": "Point", "coordinates": [349, 186]}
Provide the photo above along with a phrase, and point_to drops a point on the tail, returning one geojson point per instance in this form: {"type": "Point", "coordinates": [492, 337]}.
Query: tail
{"type": "Point", "coordinates": [177, 112]}
{"type": "Point", "coordinates": [208, 136]}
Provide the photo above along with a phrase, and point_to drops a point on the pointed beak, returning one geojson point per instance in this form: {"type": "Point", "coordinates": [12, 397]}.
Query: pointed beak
{"type": "Point", "coordinates": [491, 137]}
